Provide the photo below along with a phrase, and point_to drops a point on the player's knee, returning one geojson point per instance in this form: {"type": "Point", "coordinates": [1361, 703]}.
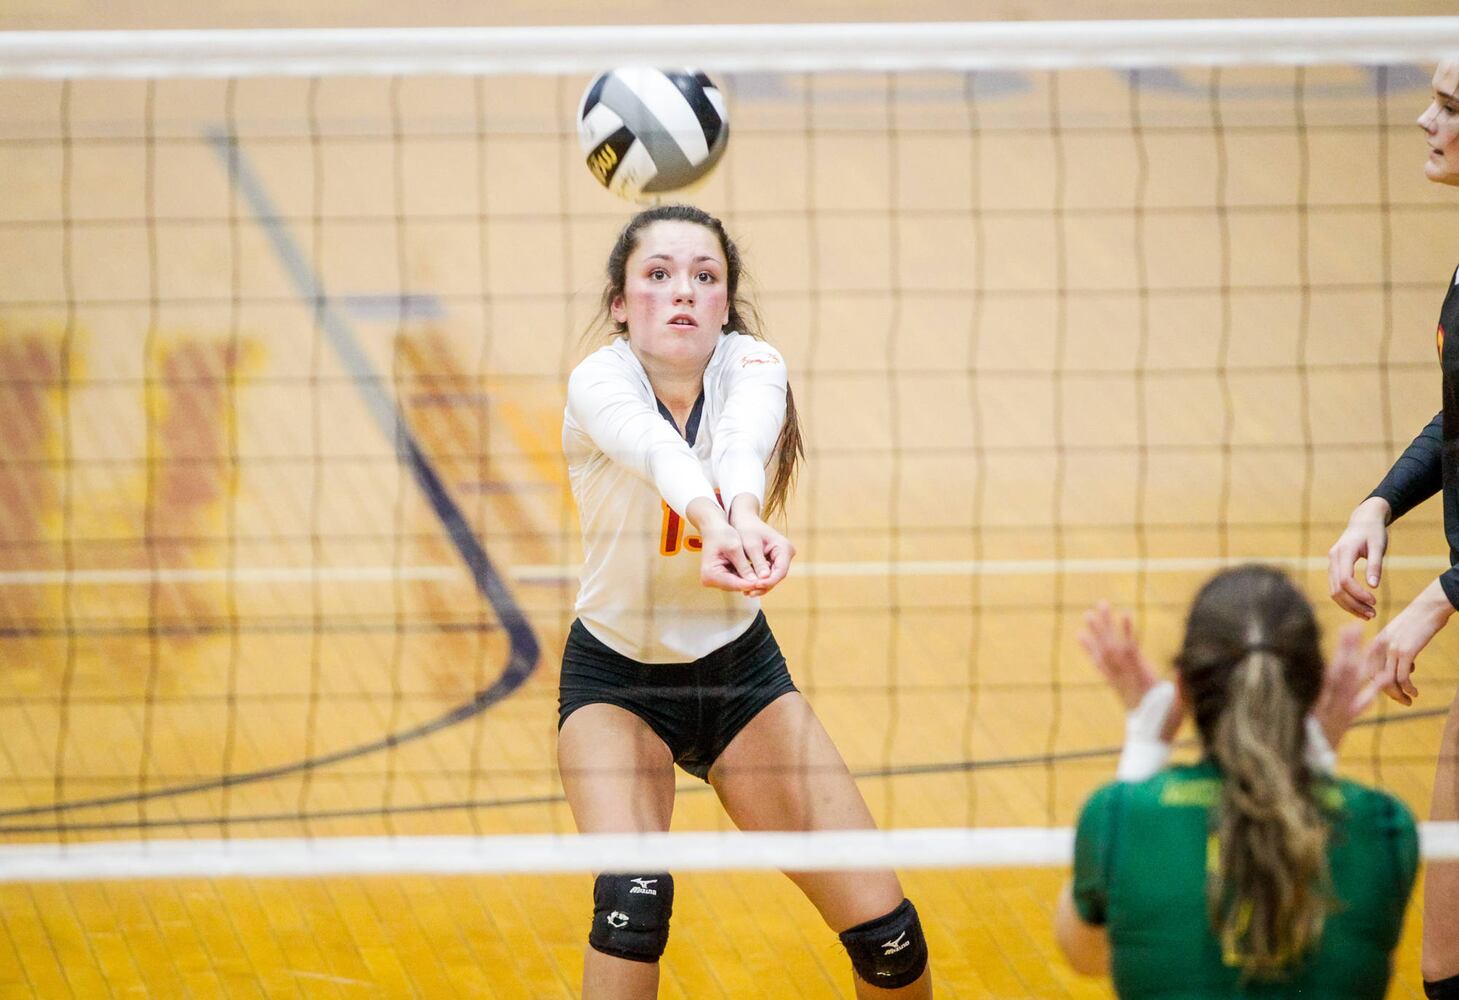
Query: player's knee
{"type": "Point", "coordinates": [631, 915]}
{"type": "Point", "coordinates": [890, 951]}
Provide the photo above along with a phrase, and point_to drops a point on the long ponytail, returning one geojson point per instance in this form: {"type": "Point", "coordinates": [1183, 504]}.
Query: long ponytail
{"type": "Point", "coordinates": [1252, 668]}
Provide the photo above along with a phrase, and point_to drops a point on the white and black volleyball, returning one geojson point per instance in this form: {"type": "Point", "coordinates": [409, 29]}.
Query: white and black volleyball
{"type": "Point", "coordinates": [649, 131]}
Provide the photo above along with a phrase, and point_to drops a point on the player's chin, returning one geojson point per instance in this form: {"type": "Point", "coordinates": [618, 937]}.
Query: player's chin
{"type": "Point", "coordinates": [1440, 171]}
{"type": "Point", "coordinates": [687, 345]}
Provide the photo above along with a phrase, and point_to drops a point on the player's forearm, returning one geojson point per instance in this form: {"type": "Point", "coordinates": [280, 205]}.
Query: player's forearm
{"type": "Point", "coordinates": [1435, 602]}
{"type": "Point", "coordinates": [743, 507]}
{"type": "Point", "coordinates": [633, 435]}
{"type": "Point", "coordinates": [1375, 508]}
{"type": "Point", "coordinates": [1418, 473]}
{"type": "Point", "coordinates": [706, 515]}
{"type": "Point", "coordinates": [1086, 946]}
{"type": "Point", "coordinates": [740, 473]}
{"type": "Point", "coordinates": [748, 428]}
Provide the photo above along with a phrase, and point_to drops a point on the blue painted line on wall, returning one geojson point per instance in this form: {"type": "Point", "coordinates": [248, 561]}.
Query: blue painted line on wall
{"type": "Point", "coordinates": [384, 411]}
{"type": "Point", "coordinates": [523, 646]}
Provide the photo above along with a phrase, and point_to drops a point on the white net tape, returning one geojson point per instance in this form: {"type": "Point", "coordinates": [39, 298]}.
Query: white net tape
{"type": "Point", "coordinates": [726, 48]}
{"type": "Point", "coordinates": [1031, 847]}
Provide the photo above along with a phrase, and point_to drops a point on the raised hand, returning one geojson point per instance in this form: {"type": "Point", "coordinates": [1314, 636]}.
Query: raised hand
{"type": "Point", "coordinates": [1112, 647]}
{"type": "Point", "coordinates": [1348, 684]}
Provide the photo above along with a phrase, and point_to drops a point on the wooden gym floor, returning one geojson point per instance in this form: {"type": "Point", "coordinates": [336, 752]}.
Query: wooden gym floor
{"type": "Point", "coordinates": [211, 350]}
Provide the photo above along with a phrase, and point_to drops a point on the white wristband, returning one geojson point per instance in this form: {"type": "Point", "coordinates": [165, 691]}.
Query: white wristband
{"type": "Point", "coordinates": [1319, 754]}
{"type": "Point", "coordinates": [1145, 753]}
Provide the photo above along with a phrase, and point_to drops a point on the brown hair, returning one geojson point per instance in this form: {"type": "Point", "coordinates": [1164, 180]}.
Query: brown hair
{"type": "Point", "coordinates": [1252, 669]}
{"type": "Point", "coordinates": [743, 317]}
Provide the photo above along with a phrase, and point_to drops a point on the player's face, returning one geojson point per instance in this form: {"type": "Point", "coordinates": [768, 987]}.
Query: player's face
{"type": "Point", "coordinates": [675, 298]}
{"type": "Point", "coordinates": [1440, 122]}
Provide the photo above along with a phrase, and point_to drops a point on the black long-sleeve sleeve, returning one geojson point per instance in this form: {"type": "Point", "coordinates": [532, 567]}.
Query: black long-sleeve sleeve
{"type": "Point", "coordinates": [1418, 474]}
{"type": "Point", "coordinates": [1431, 462]}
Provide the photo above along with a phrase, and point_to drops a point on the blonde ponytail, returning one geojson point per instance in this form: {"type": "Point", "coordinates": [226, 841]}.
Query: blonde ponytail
{"type": "Point", "coordinates": [1269, 891]}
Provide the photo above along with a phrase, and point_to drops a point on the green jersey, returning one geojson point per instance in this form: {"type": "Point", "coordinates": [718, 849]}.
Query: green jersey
{"type": "Point", "coordinates": [1140, 859]}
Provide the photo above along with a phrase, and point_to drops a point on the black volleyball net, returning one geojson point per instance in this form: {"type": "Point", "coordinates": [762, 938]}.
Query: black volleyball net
{"type": "Point", "coordinates": [1070, 312]}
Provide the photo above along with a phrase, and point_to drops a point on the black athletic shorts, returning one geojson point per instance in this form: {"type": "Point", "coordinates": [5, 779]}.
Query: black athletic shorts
{"type": "Point", "coordinates": [695, 708]}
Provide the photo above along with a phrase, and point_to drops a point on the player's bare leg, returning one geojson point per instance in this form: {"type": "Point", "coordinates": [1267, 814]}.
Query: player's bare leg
{"type": "Point", "coordinates": [782, 772]}
{"type": "Point", "coordinates": [619, 778]}
{"type": "Point", "coordinates": [1441, 878]}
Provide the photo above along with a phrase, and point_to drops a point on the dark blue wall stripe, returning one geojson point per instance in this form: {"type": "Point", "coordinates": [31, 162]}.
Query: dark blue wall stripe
{"type": "Point", "coordinates": [523, 647]}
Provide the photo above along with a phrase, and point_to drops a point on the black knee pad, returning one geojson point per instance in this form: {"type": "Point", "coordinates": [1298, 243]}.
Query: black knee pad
{"type": "Point", "coordinates": [1444, 989]}
{"type": "Point", "coordinates": [631, 915]}
{"type": "Point", "coordinates": [890, 951]}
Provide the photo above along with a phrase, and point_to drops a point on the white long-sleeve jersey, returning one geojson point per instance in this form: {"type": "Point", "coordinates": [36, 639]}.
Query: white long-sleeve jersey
{"type": "Point", "coordinates": [633, 476]}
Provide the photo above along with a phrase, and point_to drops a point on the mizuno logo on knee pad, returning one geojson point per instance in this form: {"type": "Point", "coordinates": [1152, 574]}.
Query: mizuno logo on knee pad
{"type": "Point", "coordinates": [890, 951]}
{"type": "Point", "coordinates": [631, 915]}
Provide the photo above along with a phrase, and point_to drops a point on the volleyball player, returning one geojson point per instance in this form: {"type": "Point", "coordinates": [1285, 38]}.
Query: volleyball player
{"type": "Point", "coordinates": [1253, 872]}
{"type": "Point", "coordinates": [1427, 466]}
{"type": "Point", "coordinates": [668, 433]}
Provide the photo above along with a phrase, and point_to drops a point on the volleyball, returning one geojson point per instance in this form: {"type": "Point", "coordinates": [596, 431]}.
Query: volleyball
{"type": "Point", "coordinates": [650, 131]}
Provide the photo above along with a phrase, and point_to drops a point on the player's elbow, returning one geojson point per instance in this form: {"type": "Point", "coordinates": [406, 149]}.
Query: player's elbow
{"type": "Point", "coordinates": [1084, 945]}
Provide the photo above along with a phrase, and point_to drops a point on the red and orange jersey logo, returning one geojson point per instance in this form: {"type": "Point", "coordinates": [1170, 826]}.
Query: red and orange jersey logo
{"type": "Point", "coordinates": [759, 359]}
{"type": "Point", "coordinates": [673, 537]}
{"type": "Point", "coordinates": [673, 534]}
{"type": "Point", "coordinates": [1439, 340]}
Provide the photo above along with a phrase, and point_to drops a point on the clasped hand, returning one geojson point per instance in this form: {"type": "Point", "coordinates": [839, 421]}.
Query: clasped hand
{"type": "Point", "coordinates": [741, 552]}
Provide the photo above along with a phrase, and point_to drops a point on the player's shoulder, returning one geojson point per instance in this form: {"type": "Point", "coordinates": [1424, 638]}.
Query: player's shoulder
{"type": "Point", "coordinates": [1372, 808]}
{"type": "Point", "coordinates": [1101, 800]}
{"type": "Point", "coordinates": [612, 356]}
{"type": "Point", "coordinates": [738, 352]}
{"type": "Point", "coordinates": [614, 360]}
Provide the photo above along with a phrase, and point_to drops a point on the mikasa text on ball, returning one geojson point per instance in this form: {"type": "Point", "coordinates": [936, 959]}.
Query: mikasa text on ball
{"type": "Point", "coordinates": [650, 131]}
